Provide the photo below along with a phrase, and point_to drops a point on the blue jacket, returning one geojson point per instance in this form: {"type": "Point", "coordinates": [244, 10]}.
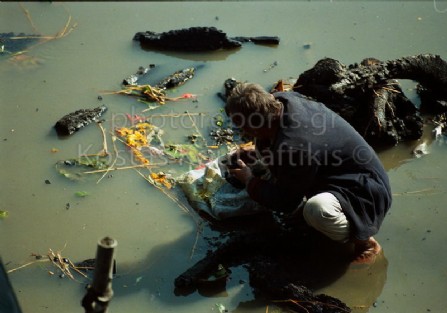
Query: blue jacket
{"type": "Point", "coordinates": [316, 151]}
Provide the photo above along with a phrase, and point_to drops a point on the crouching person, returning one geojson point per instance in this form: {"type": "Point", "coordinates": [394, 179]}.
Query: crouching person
{"type": "Point", "coordinates": [315, 154]}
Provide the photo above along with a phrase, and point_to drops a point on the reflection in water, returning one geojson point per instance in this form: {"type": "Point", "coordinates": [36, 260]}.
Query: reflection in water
{"type": "Point", "coordinates": [220, 55]}
{"type": "Point", "coordinates": [360, 285]}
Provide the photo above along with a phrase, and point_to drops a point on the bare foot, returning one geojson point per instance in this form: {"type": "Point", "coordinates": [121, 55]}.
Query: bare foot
{"type": "Point", "coordinates": [366, 251]}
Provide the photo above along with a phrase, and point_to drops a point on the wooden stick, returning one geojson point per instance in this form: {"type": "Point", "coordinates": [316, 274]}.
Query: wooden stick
{"type": "Point", "coordinates": [76, 269]}
{"type": "Point", "coordinates": [125, 168]}
{"type": "Point", "coordinates": [28, 16]}
{"type": "Point", "coordinates": [196, 128]}
{"type": "Point", "coordinates": [175, 115]}
{"type": "Point", "coordinates": [177, 201]}
{"type": "Point", "coordinates": [104, 139]}
{"type": "Point", "coordinates": [25, 265]}
{"type": "Point", "coordinates": [199, 225]}
{"type": "Point", "coordinates": [115, 151]}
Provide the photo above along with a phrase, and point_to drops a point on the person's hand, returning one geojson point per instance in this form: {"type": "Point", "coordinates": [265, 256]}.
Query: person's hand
{"type": "Point", "coordinates": [242, 173]}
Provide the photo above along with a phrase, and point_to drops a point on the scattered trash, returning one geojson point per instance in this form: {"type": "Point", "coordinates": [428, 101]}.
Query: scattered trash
{"type": "Point", "coordinates": [149, 93]}
{"type": "Point", "coordinates": [188, 152]}
{"type": "Point", "coordinates": [440, 130]}
{"type": "Point", "coordinates": [222, 136]}
{"type": "Point", "coordinates": [139, 137]}
{"type": "Point", "coordinates": [220, 308]}
{"type": "Point", "coordinates": [63, 264]}
{"type": "Point", "coordinates": [75, 168]}
{"type": "Point", "coordinates": [162, 179]}
{"type": "Point", "coordinates": [421, 150]}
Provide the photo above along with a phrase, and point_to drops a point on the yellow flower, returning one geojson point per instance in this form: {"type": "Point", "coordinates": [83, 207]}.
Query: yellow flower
{"type": "Point", "coordinates": [143, 126]}
{"type": "Point", "coordinates": [123, 131]}
{"type": "Point", "coordinates": [161, 179]}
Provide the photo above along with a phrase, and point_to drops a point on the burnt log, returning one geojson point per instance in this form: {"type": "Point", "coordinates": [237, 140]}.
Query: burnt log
{"type": "Point", "coordinates": [369, 97]}
{"type": "Point", "coordinates": [74, 121]}
{"type": "Point", "coordinates": [197, 39]}
{"type": "Point", "coordinates": [177, 79]}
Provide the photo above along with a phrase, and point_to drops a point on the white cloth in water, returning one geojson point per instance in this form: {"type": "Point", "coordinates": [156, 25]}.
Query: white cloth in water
{"type": "Point", "coordinates": [208, 191]}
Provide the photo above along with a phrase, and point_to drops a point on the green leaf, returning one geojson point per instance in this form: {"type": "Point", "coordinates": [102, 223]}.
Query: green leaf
{"type": "Point", "coordinates": [81, 194]}
{"type": "Point", "coordinates": [3, 214]}
{"type": "Point", "coordinates": [187, 151]}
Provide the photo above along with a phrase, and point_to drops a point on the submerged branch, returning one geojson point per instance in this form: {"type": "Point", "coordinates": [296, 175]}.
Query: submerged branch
{"type": "Point", "coordinates": [124, 168]}
{"type": "Point", "coordinates": [28, 16]}
{"type": "Point", "coordinates": [25, 265]}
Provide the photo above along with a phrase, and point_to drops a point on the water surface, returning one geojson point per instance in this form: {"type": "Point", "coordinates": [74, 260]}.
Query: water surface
{"type": "Point", "coordinates": [157, 240]}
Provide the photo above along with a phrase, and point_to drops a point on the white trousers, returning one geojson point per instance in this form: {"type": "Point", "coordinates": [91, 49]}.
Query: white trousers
{"type": "Point", "coordinates": [324, 213]}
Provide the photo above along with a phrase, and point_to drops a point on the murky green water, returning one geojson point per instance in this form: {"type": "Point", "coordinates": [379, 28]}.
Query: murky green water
{"type": "Point", "coordinates": [156, 238]}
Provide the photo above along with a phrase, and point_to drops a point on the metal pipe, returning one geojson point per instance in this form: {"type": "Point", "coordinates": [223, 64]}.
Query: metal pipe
{"type": "Point", "coordinates": [100, 292]}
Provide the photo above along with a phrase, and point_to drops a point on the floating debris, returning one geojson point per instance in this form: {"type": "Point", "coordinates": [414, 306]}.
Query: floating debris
{"type": "Point", "coordinates": [74, 121]}
{"type": "Point", "coordinates": [197, 39]}
{"type": "Point", "coordinates": [421, 150]}
{"type": "Point", "coordinates": [63, 264]}
{"type": "Point", "coordinates": [149, 94]}
{"type": "Point", "coordinates": [162, 179]}
{"type": "Point", "coordinates": [17, 46]}
{"type": "Point", "coordinates": [189, 152]}
{"type": "Point", "coordinates": [3, 214]}
{"type": "Point", "coordinates": [440, 130]}
{"type": "Point", "coordinates": [271, 66]}
{"type": "Point", "coordinates": [74, 168]}
{"type": "Point", "coordinates": [176, 79]}
{"type": "Point", "coordinates": [193, 138]}
{"type": "Point", "coordinates": [81, 194]}
{"type": "Point", "coordinates": [222, 136]}
{"type": "Point", "coordinates": [307, 45]}
{"type": "Point", "coordinates": [139, 138]}
{"type": "Point", "coordinates": [135, 79]}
